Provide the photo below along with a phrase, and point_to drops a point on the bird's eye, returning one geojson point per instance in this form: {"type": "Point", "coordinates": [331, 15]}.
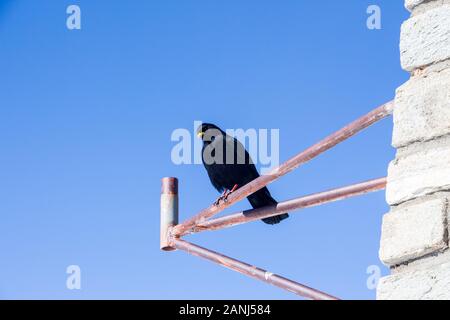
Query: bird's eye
{"type": "Point", "coordinates": [213, 138]}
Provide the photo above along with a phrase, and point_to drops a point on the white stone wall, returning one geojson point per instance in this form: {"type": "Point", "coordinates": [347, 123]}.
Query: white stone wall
{"type": "Point", "coordinates": [415, 233]}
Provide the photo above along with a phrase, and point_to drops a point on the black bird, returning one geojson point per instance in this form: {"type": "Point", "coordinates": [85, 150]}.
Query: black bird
{"type": "Point", "coordinates": [229, 167]}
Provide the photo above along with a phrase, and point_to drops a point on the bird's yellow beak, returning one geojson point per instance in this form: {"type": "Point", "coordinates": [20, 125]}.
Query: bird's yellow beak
{"type": "Point", "coordinates": [200, 134]}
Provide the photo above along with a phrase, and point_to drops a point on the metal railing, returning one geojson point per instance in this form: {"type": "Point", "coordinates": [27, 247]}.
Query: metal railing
{"type": "Point", "coordinates": [171, 231]}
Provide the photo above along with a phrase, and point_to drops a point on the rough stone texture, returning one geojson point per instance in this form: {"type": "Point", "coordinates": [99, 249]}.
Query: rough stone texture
{"type": "Point", "coordinates": [411, 4]}
{"type": "Point", "coordinates": [418, 170]}
{"type": "Point", "coordinates": [431, 69]}
{"type": "Point", "coordinates": [415, 235]}
{"type": "Point", "coordinates": [425, 5]}
{"type": "Point", "coordinates": [430, 284]}
{"type": "Point", "coordinates": [425, 263]}
{"type": "Point", "coordinates": [414, 230]}
{"type": "Point", "coordinates": [425, 38]}
{"type": "Point", "coordinates": [422, 109]}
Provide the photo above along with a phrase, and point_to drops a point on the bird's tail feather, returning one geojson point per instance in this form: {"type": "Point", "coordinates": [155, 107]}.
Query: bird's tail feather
{"type": "Point", "coordinates": [276, 219]}
{"type": "Point", "coordinates": [262, 198]}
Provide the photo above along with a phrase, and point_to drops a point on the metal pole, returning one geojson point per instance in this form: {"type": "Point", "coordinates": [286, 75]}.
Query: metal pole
{"type": "Point", "coordinates": [288, 206]}
{"type": "Point", "coordinates": [301, 158]}
{"type": "Point", "coordinates": [252, 271]}
{"type": "Point", "coordinates": [169, 212]}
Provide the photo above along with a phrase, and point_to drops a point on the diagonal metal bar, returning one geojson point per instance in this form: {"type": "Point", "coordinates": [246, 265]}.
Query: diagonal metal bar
{"type": "Point", "coordinates": [289, 206]}
{"type": "Point", "coordinates": [341, 135]}
{"type": "Point", "coordinates": [252, 271]}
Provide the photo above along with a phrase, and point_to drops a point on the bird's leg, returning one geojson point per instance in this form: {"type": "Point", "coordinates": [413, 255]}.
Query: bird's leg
{"type": "Point", "coordinates": [222, 197]}
{"type": "Point", "coordinates": [227, 194]}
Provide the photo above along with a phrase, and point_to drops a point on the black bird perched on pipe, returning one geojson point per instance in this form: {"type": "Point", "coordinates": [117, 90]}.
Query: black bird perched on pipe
{"type": "Point", "coordinates": [229, 167]}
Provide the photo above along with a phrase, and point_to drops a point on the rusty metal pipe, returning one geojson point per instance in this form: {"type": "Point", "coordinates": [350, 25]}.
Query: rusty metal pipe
{"type": "Point", "coordinates": [301, 158]}
{"type": "Point", "coordinates": [252, 271]}
{"type": "Point", "coordinates": [290, 205]}
{"type": "Point", "coordinates": [169, 212]}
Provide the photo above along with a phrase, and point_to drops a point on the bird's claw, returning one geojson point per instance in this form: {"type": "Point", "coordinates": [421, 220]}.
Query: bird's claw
{"type": "Point", "coordinates": [224, 197]}
{"type": "Point", "coordinates": [217, 202]}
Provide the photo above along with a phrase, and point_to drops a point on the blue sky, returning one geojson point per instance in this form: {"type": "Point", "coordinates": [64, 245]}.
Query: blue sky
{"type": "Point", "coordinates": [87, 115]}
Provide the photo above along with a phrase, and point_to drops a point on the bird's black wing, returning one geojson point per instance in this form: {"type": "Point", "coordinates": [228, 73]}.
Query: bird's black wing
{"type": "Point", "coordinates": [233, 164]}
{"type": "Point", "coordinates": [237, 168]}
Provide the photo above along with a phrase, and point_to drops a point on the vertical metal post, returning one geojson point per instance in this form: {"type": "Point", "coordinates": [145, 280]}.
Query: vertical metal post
{"type": "Point", "coordinates": [169, 212]}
